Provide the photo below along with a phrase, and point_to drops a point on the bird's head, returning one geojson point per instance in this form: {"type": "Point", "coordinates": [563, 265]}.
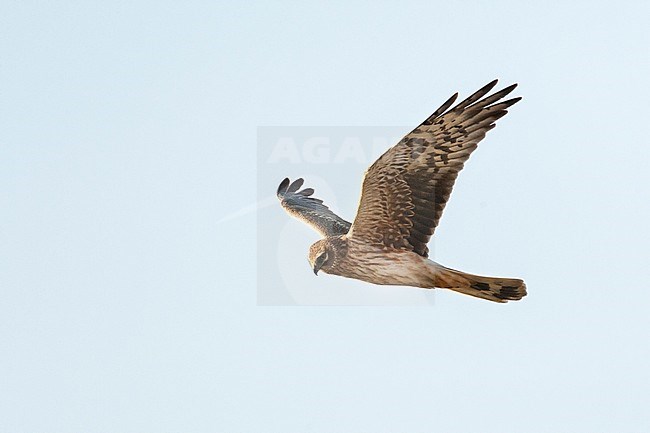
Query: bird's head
{"type": "Point", "coordinates": [321, 255]}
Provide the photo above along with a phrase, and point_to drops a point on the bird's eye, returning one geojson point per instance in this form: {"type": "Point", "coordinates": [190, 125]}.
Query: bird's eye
{"type": "Point", "coordinates": [322, 258]}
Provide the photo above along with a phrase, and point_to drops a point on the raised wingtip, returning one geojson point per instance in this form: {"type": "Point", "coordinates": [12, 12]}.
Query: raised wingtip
{"type": "Point", "coordinates": [509, 89]}
{"type": "Point", "coordinates": [307, 192]}
{"type": "Point", "coordinates": [510, 102]}
{"type": "Point", "coordinates": [282, 188]}
{"type": "Point", "coordinates": [441, 109]}
{"type": "Point", "coordinates": [489, 86]}
{"type": "Point", "coordinates": [286, 186]}
{"type": "Point", "coordinates": [296, 184]}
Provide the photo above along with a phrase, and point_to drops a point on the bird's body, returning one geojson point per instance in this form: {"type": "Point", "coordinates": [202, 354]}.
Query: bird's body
{"type": "Point", "coordinates": [391, 266]}
{"type": "Point", "coordinates": [404, 193]}
{"type": "Point", "coordinates": [386, 266]}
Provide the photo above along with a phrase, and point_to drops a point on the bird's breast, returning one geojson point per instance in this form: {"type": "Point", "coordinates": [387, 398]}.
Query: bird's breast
{"type": "Point", "coordinates": [383, 266]}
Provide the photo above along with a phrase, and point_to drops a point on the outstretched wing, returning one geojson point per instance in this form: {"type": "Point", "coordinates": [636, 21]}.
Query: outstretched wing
{"type": "Point", "coordinates": [405, 191]}
{"type": "Point", "coordinates": [311, 210]}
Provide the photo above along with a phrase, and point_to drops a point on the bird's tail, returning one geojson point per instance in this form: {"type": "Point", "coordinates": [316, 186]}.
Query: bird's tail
{"type": "Point", "coordinates": [490, 288]}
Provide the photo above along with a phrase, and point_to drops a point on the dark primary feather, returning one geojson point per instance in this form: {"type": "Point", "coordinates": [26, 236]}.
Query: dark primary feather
{"type": "Point", "coordinates": [301, 205]}
{"type": "Point", "coordinates": [405, 191]}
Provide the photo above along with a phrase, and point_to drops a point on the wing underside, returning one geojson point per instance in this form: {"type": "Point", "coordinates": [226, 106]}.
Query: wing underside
{"type": "Point", "coordinates": [405, 191]}
{"type": "Point", "coordinates": [301, 205]}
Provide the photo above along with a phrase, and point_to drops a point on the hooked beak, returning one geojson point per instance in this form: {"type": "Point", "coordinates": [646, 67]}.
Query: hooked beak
{"type": "Point", "coordinates": [318, 263]}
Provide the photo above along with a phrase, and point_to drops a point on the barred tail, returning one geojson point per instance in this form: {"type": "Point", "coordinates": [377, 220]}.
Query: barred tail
{"type": "Point", "coordinates": [492, 289]}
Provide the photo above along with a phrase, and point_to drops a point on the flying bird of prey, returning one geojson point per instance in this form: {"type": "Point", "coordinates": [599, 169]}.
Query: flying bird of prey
{"type": "Point", "coordinates": [403, 195]}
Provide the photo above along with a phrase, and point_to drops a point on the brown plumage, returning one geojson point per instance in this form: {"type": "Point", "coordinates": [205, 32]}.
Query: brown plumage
{"type": "Point", "coordinates": [403, 196]}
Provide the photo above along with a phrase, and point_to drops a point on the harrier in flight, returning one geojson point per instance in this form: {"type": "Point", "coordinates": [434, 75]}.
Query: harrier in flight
{"type": "Point", "coordinates": [403, 195]}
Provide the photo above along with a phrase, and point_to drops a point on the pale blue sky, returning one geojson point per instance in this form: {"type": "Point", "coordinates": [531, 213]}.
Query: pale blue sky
{"type": "Point", "coordinates": [129, 129]}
